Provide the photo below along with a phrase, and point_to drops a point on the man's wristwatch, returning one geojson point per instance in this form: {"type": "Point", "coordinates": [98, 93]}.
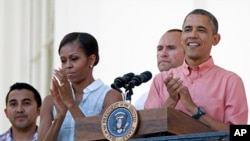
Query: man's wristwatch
{"type": "Point", "coordinates": [200, 112]}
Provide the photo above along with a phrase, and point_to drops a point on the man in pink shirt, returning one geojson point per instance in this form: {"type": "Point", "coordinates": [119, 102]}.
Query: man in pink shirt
{"type": "Point", "coordinates": [198, 87]}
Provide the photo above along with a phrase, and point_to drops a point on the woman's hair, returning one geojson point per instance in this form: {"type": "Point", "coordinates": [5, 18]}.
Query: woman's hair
{"type": "Point", "coordinates": [86, 41]}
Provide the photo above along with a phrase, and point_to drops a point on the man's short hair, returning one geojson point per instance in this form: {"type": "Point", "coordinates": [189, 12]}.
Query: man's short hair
{"type": "Point", "coordinates": [23, 85]}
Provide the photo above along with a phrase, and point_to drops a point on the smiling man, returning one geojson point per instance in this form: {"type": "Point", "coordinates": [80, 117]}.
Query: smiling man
{"type": "Point", "coordinates": [23, 104]}
{"type": "Point", "coordinates": [203, 90]}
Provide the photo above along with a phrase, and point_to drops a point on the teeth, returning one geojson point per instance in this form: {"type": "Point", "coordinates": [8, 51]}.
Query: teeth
{"type": "Point", "coordinates": [193, 44]}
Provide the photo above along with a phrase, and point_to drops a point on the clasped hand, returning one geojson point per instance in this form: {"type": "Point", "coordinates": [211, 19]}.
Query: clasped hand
{"type": "Point", "coordinates": [61, 91]}
{"type": "Point", "coordinates": [177, 91]}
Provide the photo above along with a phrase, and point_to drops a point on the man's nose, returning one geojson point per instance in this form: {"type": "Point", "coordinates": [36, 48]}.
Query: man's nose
{"type": "Point", "coordinates": [19, 108]}
{"type": "Point", "coordinates": [164, 52]}
{"type": "Point", "coordinates": [193, 34]}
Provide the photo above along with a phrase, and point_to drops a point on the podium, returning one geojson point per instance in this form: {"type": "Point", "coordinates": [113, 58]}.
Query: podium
{"type": "Point", "coordinates": [159, 121]}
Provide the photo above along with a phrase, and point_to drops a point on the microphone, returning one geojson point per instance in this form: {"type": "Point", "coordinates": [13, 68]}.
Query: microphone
{"type": "Point", "coordinates": [138, 79]}
{"type": "Point", "coordinates": [122, 81]}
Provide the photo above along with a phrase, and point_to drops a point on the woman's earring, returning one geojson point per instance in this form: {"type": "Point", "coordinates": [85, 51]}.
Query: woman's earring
{"type": "Point", "coordinates": [91, 66]}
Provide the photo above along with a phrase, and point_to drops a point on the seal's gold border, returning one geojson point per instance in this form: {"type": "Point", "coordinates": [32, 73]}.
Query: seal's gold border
{"type": "Point", "coordinates": [109, 110]}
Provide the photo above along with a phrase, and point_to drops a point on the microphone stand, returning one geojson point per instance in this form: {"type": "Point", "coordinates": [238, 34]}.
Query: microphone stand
{"type": "Point", "coordinates": [128, 95]}
{"type": "Point", "coordinates": [128, 92]}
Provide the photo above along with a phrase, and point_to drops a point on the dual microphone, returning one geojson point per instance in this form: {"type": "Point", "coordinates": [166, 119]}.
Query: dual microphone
{"type": "Point", "coordinates": [130, 80]}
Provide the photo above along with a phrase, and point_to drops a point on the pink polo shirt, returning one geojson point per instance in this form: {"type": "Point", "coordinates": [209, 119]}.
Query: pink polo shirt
{"type": "Point", "coordinates": [220, 92]}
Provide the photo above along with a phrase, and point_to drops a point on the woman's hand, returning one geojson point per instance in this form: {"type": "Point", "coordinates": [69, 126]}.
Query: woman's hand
{"type": "Point", "coordinates": [60, 106]}
{"type": "Point", "coordinates": [63, 87]}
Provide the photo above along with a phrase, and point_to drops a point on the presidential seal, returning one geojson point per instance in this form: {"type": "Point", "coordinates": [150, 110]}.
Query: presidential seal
{"type": "Point", "coordinates": [119, 121]}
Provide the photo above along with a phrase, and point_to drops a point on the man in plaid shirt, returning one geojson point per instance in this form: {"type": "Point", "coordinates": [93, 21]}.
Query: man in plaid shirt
{"type": "Point", "coordinates": [23, 103]}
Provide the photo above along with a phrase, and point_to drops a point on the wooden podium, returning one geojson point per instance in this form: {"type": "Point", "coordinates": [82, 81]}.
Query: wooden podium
{"type": "Point", "coordinates": [152, 121]}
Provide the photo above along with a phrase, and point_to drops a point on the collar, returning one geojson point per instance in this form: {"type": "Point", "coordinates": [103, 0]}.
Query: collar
{"type": "Point", "coordinates": [202, 68]}
{"type": "Point", "coordinates": [9, 134]}
{"type": "Point", "coordinates": [93, 86]}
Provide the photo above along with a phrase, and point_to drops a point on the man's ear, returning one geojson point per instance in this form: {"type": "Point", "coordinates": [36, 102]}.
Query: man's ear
{"type": "Point", "coordinates": [6, 112]}
{"type": "Point", "coordinates": [216, 39]}
{"type": "Point", "coordinates": [38, 111]}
